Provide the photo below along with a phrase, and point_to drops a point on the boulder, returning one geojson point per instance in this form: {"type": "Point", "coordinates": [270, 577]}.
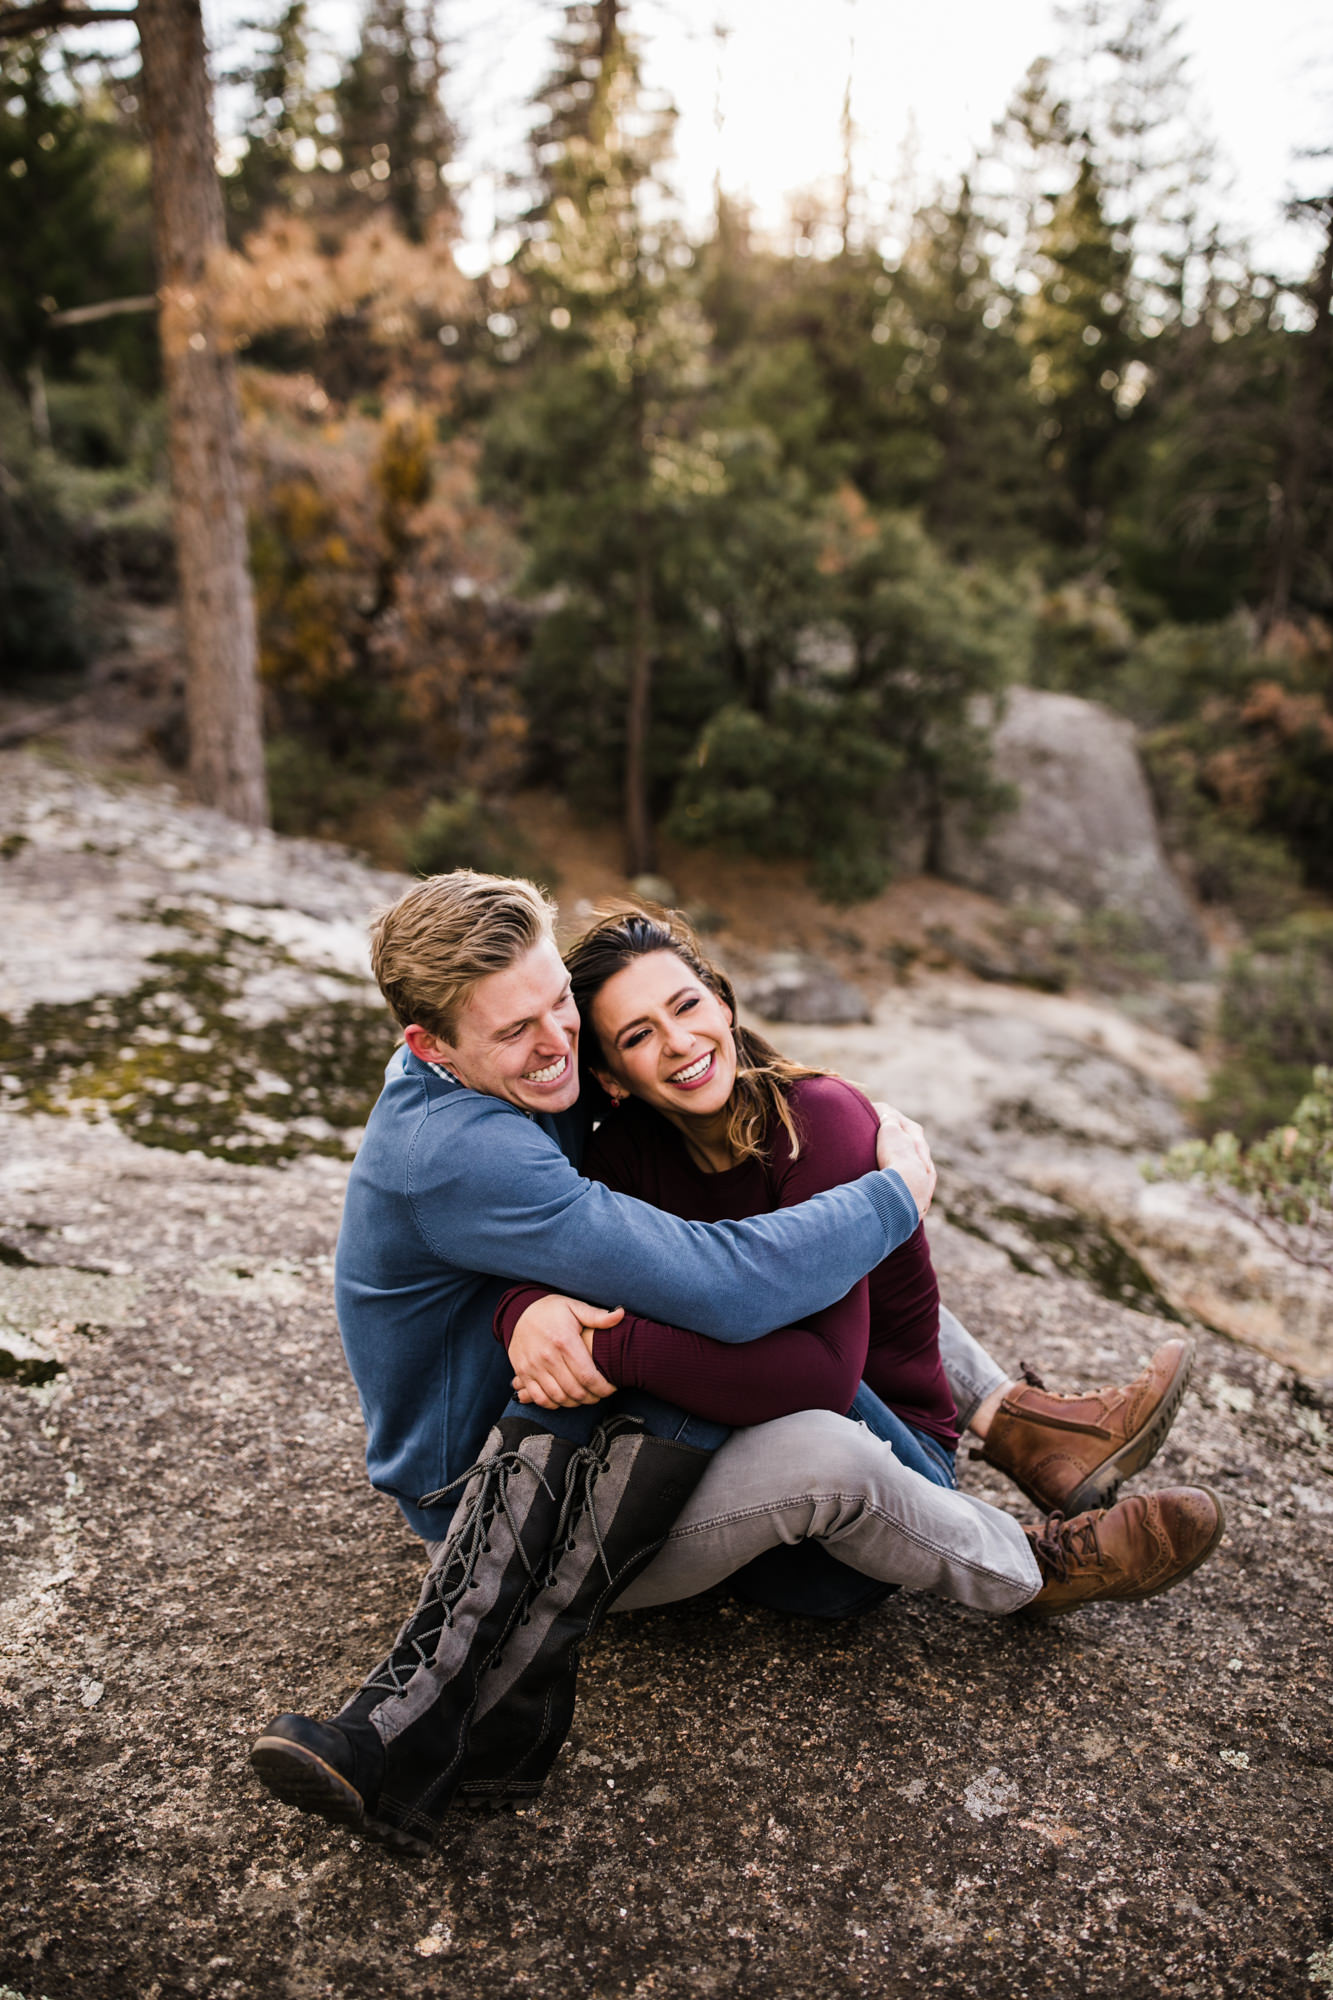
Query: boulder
{"type": "Point", "coordinates": [791, 987]}
{"type": "Point", "coordinates": [655, 889]}
{"type": "Point", "coordinates": [1084, 832]}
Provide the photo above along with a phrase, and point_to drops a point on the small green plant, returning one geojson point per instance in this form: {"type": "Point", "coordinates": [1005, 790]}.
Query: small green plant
{"type": "Point", "coordinates": [1283, 1182]}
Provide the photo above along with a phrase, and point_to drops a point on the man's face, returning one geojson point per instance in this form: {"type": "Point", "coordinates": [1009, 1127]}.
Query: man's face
{"type": "Point", "coordinates": [517, 1036]}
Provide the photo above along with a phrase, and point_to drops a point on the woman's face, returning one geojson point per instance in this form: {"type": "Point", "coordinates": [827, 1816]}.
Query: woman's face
{"type": "Point", "coordinates": [666, 1037]}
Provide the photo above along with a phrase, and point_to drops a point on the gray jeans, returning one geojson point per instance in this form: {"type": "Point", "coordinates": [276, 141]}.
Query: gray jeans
{"type": "Point", "coordinates": [818, 1477]}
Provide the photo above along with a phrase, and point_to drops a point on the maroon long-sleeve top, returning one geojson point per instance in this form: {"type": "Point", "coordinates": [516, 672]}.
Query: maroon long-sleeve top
{"type": "Point", "coordinates": [886, 1330]}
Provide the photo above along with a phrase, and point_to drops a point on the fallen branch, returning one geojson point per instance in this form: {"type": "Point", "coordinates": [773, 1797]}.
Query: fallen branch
{"type": "Point", "coordinates": [105, 309]}
{"type": "Point", "coordinates": [45, 15]}
{"type": "Point", "coordinates": [28, 726]}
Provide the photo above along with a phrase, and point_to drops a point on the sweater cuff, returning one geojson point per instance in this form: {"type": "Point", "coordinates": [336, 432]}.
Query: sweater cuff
{"type": "Point", "coordinates": [894, 1205]}
{"type": "Point", "coordinates": [511, 1310]}
{"type": "Point", "coordinates": [609, 1348]}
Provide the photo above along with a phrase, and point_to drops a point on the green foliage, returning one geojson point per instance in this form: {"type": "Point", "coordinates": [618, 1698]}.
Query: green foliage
{"type": "Point", "coordinates": [286, 120]}
{"type": "Point", "coordinates": [1253, 874]}
{"type": "Point", "coordinates": [1243, 769]}
{"type": "Point", "coordinates": [1276, 1024]}
{"type": "Point", "coordinates": [40, 635]}
{"type": "Point", "coordinates": [789, 520]}
{"type": "Point", "coordinates": [74, 220]}
{"type": "Point", "coordinates": [468, 831]}
{"type": "Point", "coordinates": [393, 131]}
{"type": "Point", "coordinates": [1284, 1178]}
{"type": "Point", "coordinates": [809, 782]}
{"type": "Point", "coordinates": [863, 729]}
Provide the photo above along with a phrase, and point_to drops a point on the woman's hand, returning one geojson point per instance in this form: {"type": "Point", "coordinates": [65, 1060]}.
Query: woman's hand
{"type": "Point", "coordinates": [902, 1146]}
{"type": "Point", "coordinates": [551, 1353]}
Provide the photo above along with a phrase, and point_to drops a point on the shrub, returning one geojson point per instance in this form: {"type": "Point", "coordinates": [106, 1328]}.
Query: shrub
{"type": "Point", "coordinates": [389, 675]}
{"type": "Point", "coordinates": [466, 831]}
{"type": "Point", "coordinates": [40, 636]}
{"type": "Point", "coordinates": [1243, 757]}
{"type": "Point", "coordinates": [1276, 1023]}
{"type": "Point", "coordinates": [766, 785]}
{"type": "Point", "coordinates": [1231, 864]}
{"type": "Point", "coordinates": [1283, 1181]}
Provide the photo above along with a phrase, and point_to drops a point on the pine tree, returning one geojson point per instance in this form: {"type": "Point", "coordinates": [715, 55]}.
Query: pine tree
{"type": "Point", "coordinates": [1130, 95]}
{"type": "Point", "coordinates": [1301, 567]}
{"type": "Point", "coordinates": [598, 442]}
{"type": "Point", "coordinates": [962, 386]}
{"type": "Point", "coordinates": [286, 117]}
{"type": "Point", "coordinates": [73, 212]}
{"type": "Point", "coordinates": [394, 133]}
{"type": "Point", "coordinates": [1080, 333]}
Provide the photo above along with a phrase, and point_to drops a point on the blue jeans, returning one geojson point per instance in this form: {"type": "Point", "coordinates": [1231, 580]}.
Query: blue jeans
{"type": "Point", "coordinates": [806, 1580]}
{"type": "Point", "coordinates": [660, 1420]}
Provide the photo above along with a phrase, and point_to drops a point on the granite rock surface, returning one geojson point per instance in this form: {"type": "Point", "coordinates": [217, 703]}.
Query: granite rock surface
{"type": "Point", "coordinates": [1129, 1802]}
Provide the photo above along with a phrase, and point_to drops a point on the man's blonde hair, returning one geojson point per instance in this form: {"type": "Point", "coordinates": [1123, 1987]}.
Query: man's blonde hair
{"type": "Point", "coordinates": [429, 949]}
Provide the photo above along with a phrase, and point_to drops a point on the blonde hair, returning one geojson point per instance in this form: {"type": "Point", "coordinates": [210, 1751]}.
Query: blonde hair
{"type": "Point", "coordinates": [625, 931]}
{"type": "Point", "coordinates": [429, 949]}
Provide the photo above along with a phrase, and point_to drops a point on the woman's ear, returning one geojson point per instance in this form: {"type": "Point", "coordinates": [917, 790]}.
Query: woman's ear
{"type": "Point", "coordinates": [615, 1091]}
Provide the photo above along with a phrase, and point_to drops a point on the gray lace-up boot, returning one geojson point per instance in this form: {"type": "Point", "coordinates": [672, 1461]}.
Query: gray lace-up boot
{"type": "Point", "coordinates": [623, 1492]}
{"type": "Point", "coordinates": [387, 1764]}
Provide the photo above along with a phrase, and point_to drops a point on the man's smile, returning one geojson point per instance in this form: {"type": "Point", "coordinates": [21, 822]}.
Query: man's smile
{"type": "Point", "coordinates": [551, 1074]}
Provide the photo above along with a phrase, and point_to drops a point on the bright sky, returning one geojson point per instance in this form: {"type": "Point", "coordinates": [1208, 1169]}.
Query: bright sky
{"type": "Point", "coordinates": [927, 83]}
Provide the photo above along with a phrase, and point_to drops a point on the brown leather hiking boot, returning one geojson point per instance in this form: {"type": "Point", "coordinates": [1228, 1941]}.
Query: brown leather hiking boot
{"type": "Point", "coordinates": [1069, 1453]}
{"type": "Point", "coordinates": [1124, 1553]}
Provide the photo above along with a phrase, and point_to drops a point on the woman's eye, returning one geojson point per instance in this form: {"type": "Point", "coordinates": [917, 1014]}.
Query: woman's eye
{"type": "Point", "coordinates": [632, 1041]}
{"type": "Point", "coordinates": [686, 1005]}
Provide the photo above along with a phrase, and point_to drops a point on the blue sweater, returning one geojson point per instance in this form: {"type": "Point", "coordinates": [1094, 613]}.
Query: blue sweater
{"type": "Point", "coordinates": [454, 1195]}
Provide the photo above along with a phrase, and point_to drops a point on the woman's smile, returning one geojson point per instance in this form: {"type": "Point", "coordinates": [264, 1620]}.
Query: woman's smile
{"type": "Point", "coordinates": [695, 1073]}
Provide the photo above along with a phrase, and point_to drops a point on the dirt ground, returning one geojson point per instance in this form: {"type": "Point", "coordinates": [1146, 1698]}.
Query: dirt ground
{"type": "Point", "coordinates": [1129, 1802]}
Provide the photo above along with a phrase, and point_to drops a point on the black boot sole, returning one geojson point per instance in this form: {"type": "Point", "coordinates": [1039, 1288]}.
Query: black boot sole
{"type": "Point", "coordinates": [496, 1796]}
{"type": "Point", "coordinates": [1101, 1487]}
{"type": "Point", "coordinates": [300, 1778]}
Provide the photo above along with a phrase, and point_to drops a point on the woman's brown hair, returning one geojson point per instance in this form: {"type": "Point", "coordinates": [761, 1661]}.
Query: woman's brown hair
{"type": "Point", "coordinates": [626, 931]}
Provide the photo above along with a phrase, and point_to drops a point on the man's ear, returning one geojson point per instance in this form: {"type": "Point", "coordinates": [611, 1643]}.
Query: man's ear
{"type": "Point", "coordinates": [426, 1047]}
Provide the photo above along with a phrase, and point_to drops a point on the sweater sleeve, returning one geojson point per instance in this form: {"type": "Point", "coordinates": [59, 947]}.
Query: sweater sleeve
{"type": "Point", "coordinates": [813, 1366]}
{"type": "Point", "coordinates": [490, 1192]}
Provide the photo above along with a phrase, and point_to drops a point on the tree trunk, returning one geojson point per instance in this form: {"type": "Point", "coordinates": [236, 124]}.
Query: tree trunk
{"type": "Point", "coordinates": [639, 835]}
{"type": "Point", "coordinates": [1314, 356]}
{"type": "Point", "coordinates": [204, 420]}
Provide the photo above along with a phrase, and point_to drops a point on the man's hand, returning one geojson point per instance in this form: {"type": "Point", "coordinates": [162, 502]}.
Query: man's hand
{"type": "Point", "coordinates": [902, 1145]}
{"type": "Point", "coordinates": [552, 1363]}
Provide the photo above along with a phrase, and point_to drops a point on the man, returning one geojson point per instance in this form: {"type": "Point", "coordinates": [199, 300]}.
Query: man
{"type": "Point", "coordinates": [468, 1177]}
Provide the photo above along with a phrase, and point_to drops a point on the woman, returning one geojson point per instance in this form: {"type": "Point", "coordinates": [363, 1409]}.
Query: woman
{"type": "Point", "coordinates": [703, 1117]}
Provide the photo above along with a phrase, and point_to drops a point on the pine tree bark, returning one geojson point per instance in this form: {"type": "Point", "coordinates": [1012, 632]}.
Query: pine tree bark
{"type": "Point", "coordinates": [204, 420]}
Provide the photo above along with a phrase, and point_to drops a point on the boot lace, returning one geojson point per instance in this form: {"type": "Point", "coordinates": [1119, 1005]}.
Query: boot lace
{"type": "Point", "coordinates": [1062, 1546]}
{"type": "Point", "coordinates": [586, 1468]}
{"type": "Point", "coordinates": [452, 1577]}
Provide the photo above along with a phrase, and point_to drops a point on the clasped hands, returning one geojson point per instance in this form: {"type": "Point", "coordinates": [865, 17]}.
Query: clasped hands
{"type": "Point", "coordinates": [551, 1349]}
